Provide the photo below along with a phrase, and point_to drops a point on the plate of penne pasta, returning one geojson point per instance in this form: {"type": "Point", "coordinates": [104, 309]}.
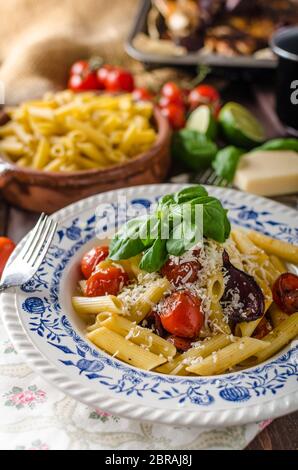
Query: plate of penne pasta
{"type": "Point", "coordinates": [168, 303]}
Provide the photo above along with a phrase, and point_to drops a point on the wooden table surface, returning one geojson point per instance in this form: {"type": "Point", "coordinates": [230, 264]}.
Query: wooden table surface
{"type": "Point", "coordinates": [282, 434]}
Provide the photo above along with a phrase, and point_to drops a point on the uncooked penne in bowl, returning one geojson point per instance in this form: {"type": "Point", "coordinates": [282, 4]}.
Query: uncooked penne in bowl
{"type": "Point", "coordinates": [197, 304]}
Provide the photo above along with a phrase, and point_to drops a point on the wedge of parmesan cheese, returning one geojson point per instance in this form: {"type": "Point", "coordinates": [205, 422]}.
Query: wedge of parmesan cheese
{"type": "Point", "coordinates": [268, 173]}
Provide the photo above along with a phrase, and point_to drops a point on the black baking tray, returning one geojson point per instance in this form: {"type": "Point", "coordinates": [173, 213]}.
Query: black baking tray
{"type": "Point", "coordinates": [190, 59]}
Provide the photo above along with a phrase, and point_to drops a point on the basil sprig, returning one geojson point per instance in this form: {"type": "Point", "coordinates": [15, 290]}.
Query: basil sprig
{"type": "Point", "coordinates": [165, 232]}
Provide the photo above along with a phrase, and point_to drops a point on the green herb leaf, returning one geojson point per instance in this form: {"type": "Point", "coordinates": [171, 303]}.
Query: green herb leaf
{"type": "Point", "coordinates": [188, 194]}
{"type": "Point", "coordinates": [154, 257]}
{"type": "Point", "coordinates": [226, 162]}
{"type": "Point", "coordinates": [193, 149]}
{"type": "Point", "coordinates": [279, 144]}
{"type": "Point", "coordinates": [216, 224]}
{"type": "Point", "coordinates": [127, 243]}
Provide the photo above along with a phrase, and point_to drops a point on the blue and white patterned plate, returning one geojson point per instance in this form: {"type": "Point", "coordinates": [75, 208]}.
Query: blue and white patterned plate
{"type": "Point", "coordinates": [44, 328]}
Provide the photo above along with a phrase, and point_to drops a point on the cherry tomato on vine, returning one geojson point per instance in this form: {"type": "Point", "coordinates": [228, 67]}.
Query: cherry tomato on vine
{"type": "Point", "coordinates": [6, 248]}
{"type": "Point", "coordinates": [175, 115]}
{"type": "Point", "coordinates": [182, 315]}
{"type": "Point", "coordinates": [204, 94]}
{"type": "Point", "coordinates": [79, 67]}
{"type": "Point", "coordinates": [84, 82]}
{"type": "Point", "coordinates": [173, 93]}
{"type": "Point", "coordinates": [91, 259]}
{"type": "Point", "coordinates": [142, 94]}
{"type": "Point", "coordinates": [181, 273]}
{"type": "Point", "coordinates": [102, 75]}
{"type": "Point", "coordinates": [119, 80]}
{"type": "Point", "coordinates": [106, 281]}
{"type": "Point", "coordinates": [285, 292]}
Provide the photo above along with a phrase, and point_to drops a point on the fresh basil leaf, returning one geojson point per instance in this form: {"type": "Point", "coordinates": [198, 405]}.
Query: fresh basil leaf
{"type": "Point", "coordinates": [175, 244]}
{"type": "Point", "coordinates": [125, 248]}
{"type": "Point", "coordinates": [215, 221]}
{"type": "Point", "coordinates": [154, 257]}
{"type": "Point", "coordinates": [166, 200]}
{"type": "Point", "coordinates": [193, 149]}
{"type": "Point", "coordinates": [188, 194]}
{"type": "Point", "coordinates": [226, 162]}
{"type": "Point", "coordinates": [149, 230]}
{"type": "Point", "coordinates": [279, 144]}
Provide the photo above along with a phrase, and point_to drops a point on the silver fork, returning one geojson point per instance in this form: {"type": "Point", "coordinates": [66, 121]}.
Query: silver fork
{"type": "Point", "coordinates": [32, 254]}
{"type": "Point", "coordinates": [210, 177]}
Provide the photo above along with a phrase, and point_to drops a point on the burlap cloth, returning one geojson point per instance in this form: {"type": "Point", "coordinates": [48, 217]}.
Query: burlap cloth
{"type": "Point", "coordinates": [40, 39]}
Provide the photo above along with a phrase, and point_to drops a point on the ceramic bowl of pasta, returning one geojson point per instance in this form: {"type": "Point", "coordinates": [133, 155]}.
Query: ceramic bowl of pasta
{"type": "Point", "coordinates": [154, 315]}
{"type": "Point", "coordinates": [68, 146]}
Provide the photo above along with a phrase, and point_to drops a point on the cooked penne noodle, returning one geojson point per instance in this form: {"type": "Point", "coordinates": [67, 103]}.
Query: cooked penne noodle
{"type": "Point", "coordinates": [276, 315]}
{"type": "Point", "coordinates": [151, 297]}
{"type": "Point", "coordinates": [279, 337]}
{"type": "Point", "coordinates": [94, 305]}
{"type": "Point", "coordinates": [229, 356]}
{"type": "Point", "coordinates": [275, 247]}
{"type": "Point", "coordinates": [41, 156]}
{"type": "Point", "coordinates": [141, 336]}
{"type": "Point", "coordinates": [217, 318]}
{"type": "Point", "coordinates": [278, 264]}
{"type": "Point", "coordinates": [125, 350]}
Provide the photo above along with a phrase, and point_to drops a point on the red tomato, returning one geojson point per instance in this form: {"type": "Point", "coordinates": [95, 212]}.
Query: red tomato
{"type": "Point", "coordinates": [85, 82]}
{"type": "Point", "coordinates": [285, 292]}
{"type": "Point", "coordinates": [142, 94]}
{"type": "Point", "coordinates": [175, 115]}
{"type": "Point", "coordinates": [203, 94]}
{"type": "Point", "coordinates": [165, 101]}
{"type": "Point", "coordinates": [174, 94]}
{"type": "Point", "coordinates": [181, 273]}
{"type": "Point", "coordinates": [6, 248]}
{"type": "Point", "coordinates": [106, 281]}
{"type": "Point", "coordinates": [78, 68]}
{"type": "Point", "coordinates": [262, 329]}
{"type": "Point", "coordinates": [181, 344]}
{"type": "Point", "coordinates": [92, 258]}
{"type": "Point", "coordinates": [182, 315]}
{"type": "Point", "coordinates": [119, 80]}
{"type": "Point", "coordinates": [102, 75]}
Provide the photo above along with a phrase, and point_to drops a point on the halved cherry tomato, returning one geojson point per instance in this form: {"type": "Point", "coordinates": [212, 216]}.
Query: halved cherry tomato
{"type": "Point", "coordinates": [203, 94]}
{"type": "Point", "coordinates": [141, 94]}
{"type": "Point", "coordinates": [173, 93]}
{"type": "Point", "coordinates": [6, 248]}
{"type": "Point", "coordinates": [181, 344]}
{"type": "Point", "coordinates": [84, 82]}
{"type": "Point", "coordinates": [262, 329]}
{"type": "Point", "coordinates": [285, 292]}
{"type": "Point", "coordinates": [119, 80]}
{"type": "Point", "coordinates": [106, 281]}
{"type": "Point", "coordinates": [79, 67]}
{"type": "Point", "coordinates": [92, 258]}
{"type": "Point", "coordinates": [102, 75]}
{"type": "Point", "coordinates": [181, 273]}
{"type": "Point", "coordinates": [175, 115]}
{"type": "Point", "coordinates": [181, 315]}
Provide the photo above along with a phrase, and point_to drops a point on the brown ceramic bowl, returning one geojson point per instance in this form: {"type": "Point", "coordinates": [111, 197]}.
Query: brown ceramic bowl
{"type": "Point", "coordinates": [41, 191]}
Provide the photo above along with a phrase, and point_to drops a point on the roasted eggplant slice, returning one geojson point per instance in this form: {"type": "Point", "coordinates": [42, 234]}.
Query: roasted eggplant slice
{"type": "Point", "coordinates": [243, 299]}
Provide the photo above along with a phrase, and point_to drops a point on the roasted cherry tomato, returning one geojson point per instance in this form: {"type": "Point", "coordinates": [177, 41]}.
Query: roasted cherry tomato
{"type": "Point", "coordinates": [102, 75]}
{"type": "Point", "coordinates": [119, 80]}
{"type": "Point", "coordinates": [78, 68]}
{"type": "Point", "coordinates": [262, 329]}
{"type": "Point", "coordinates": [84, 82]}
{"type": "Point", "coordinates": [175, 115]}
{"type": "Point", "coordinates": [181, 344]}
{"type": "Point", "coordinates": [6, 248]}
{"type": "Point", "coordinates": [106, 281]}
{"type": "Point", "coordinates": [92, 258]}
{"type": "Point", "coordinates": [142, 94]}
{"type": "Point", "coordinates": [204, 94]}
{"type": "Point", "coordinates": [285, 292]}
{"type": "Point", "coordinates": [181, 315]}
{"type": "Point", "coordinates": [181, 273]}
{"type": "Point", "coordinates": [173, 93]}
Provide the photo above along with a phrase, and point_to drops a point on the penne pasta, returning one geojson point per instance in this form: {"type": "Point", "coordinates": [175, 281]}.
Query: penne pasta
{"type": "Point", "coordinates": [149, 299]}
{"type": "Point", "coordinates": [94, 305]}
{"type": "Point", "coordinates": [275, 247]}
{"type": "Point", "coordinates": [125, 350]}
{"type": "Point", "coordinates": [276, 315]}
{"type": "Point", "coordinates": [228, 357]}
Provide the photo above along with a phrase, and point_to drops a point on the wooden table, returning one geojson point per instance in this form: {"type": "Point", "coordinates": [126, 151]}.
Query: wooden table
{"type": "Point", "coordinates": [282, 434]}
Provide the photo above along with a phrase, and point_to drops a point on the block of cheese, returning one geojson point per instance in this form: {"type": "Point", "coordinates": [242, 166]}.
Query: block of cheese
{"type": "Point", "coordinates": [268, 173]}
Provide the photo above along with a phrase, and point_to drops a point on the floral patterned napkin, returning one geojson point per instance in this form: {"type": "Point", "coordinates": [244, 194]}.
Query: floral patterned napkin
{"type": "Point", "coordinates": [34, 415]}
